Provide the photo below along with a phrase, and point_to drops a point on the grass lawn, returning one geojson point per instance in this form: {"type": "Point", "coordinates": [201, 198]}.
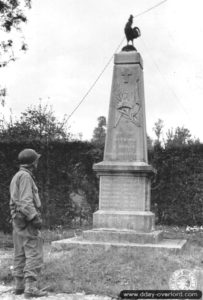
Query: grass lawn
{"type": "Point", "coordinates": [108, 272]}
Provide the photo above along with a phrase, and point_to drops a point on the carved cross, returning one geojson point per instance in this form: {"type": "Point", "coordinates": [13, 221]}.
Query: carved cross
{"type": "Point", "coordinates": [126, 74]}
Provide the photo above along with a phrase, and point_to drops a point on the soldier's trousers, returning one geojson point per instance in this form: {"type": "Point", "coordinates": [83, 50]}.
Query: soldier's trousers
{"type": "Point", "coordinates": [28, 252]}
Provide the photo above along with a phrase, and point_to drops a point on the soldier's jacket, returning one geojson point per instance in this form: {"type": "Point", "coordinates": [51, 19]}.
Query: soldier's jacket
{"type": "Point", "coordinates": [24, 200]}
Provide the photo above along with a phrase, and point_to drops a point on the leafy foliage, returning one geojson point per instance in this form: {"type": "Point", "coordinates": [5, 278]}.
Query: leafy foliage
{"type": "Point", "coordinates": [99, 133]}
{"type": "Point", "coordinates": [179, 137]}
{"type": "Point", "coordinates": [12, 16]}
{"type": "Point", "coordinates": [64, 167]}
{"type": "Point", "coordinates": [36, 123]}
{"type": "Point", "coordinates": [158, 128]}
{"type": "Point", "coordinates": [177, 189]}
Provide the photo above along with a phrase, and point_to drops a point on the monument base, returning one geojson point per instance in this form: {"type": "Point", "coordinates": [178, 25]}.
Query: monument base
{"type": "Point", "coordinates": [81, 243]}
{"type": "Point", "coordinates": [140, 221]}
{"type": "Point", "coordinates": [122, 236]}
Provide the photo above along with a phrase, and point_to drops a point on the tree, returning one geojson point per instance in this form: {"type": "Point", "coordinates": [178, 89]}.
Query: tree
{"type": "Point", "coordinates": [179, 137]}
{"type": "Point", "coordinates": [158, 127]}
{"type": "Point", "coordinates": [36, 123]}
{"type": "Point", "coordinates": [2, 95]}
{"type": "Point", "coordinates": [12, 16]}
{"type": "Point", "coordinates": [149, 143]}
{"type": "Point", "coordinates": [38, 127]}
{"type": "Point", "coordinates": [99, 133]}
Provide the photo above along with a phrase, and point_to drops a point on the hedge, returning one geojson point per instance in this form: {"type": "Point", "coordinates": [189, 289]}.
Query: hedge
{"type": "Point", "coordinates": [63, 168]}
{"type": "Point", "coordinates": [66, 167]}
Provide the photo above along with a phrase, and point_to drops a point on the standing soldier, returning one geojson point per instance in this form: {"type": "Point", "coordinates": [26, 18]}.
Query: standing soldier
{"type": "Point", "coordinates": [26, 219]}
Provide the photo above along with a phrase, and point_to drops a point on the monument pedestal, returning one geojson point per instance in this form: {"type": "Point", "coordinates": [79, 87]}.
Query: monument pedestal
{"type": "Point", "coordinates": [124, 218]}
{"type": "Point", "coordinates": [124, 198]}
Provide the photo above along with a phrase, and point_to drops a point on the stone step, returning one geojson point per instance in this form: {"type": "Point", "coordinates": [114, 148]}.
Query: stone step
{"type": "Point", "coordinates": [123, 236]}
{"type": "Point", "coordinates": [174, 245]}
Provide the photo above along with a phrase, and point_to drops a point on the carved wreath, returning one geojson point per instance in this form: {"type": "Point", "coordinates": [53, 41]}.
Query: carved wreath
{"type": "Point", "coordinates": [126, 108]}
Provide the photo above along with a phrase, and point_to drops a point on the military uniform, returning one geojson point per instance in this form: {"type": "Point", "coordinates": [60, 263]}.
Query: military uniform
{"type": "Point", "coordinates": [24, 203]}
{"type": "Point", "coordinates": [26, 220]}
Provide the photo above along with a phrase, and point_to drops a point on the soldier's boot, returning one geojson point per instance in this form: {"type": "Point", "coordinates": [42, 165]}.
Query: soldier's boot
{"type": "Point", "coordinates": [31, 289]}
{"type": "Point", "coordinates": [19, 285]}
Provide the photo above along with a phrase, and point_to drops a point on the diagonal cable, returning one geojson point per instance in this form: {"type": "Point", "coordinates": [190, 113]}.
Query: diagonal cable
{"type": "Point", "coordinates": [108, 62]}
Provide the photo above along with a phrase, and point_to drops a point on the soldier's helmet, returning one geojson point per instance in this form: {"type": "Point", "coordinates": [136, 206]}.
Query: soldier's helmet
{"type": "Point", "coordinates": [28, 156]}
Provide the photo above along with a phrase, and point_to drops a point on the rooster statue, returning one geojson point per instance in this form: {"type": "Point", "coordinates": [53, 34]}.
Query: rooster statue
{"type": "Point", "coordinates": [131, 33]}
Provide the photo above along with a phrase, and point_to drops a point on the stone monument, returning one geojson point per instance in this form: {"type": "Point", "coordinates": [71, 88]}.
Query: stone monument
{"type": "Point", "coordinates": [125, 175]}
{"type": "Point", "coordinates": [124, 214]}
{"type": "Point", "coordinates": [124, 217]}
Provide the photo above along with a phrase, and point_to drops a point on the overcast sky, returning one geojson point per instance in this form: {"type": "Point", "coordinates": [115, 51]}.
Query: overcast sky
{"type": "Point", "coordinates": [70, 42]}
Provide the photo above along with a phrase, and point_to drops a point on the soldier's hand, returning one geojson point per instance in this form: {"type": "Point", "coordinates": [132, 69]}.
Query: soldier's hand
{"type": "Point", "coordinates": [37, 222]}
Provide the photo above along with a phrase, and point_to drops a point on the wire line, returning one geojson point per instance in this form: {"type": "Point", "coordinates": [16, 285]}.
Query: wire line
{"type": "Point", "coordinates": [108, 62]}
{"type": "Point", "coordinates": [94, 83]}
{"type": "Point", "coordinates": [147, 10]}
{"type": "Point", "coordinates": [165, 79]}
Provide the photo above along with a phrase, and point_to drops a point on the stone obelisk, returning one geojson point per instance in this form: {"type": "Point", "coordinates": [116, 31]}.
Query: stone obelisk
{"type": "Point", "coordinates": [125, 175]}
